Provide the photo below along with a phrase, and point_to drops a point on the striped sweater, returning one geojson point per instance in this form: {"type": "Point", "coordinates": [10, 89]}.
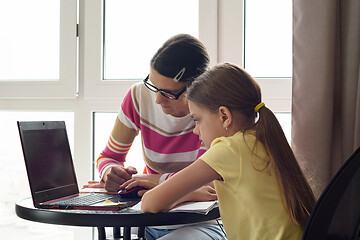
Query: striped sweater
{"type": "Point", "coordinates": [168, 142]}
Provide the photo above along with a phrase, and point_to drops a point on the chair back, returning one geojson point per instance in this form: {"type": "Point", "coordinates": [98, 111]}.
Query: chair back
{"type": "Point", "coordinates": [336, 214]}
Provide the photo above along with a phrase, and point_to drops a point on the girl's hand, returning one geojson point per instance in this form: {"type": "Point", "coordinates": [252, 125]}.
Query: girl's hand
{"type": "Point", "coordinates": [202, 194]}
{"type": "Point", "coordinates": [189, 184]}
{"type": "Point", "coordinates": [134, 182]}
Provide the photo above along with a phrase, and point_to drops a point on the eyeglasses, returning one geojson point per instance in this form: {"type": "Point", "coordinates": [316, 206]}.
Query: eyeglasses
{"type": "Point", "coordinates": [165, 93]}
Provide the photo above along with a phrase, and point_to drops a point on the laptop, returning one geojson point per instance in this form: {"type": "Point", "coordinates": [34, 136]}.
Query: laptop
{"type": "Point", "coordinates": [51, 173]}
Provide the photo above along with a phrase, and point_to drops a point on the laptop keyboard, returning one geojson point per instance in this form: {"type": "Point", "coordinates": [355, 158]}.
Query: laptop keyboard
{"type": "Point", "coordinates": [84, 199]}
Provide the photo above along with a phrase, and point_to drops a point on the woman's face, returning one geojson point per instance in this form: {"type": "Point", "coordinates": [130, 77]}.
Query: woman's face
{"type": "Point", "coordinates": [176, 108]}
{"type": "Point", "coordinates": [208, 124]}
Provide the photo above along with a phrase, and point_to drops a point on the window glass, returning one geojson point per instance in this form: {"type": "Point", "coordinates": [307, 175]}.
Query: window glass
{"type": "Point", "coordinates": [14, 183]}
{"type": "Point", "coordinates": [30, 38]}
{"type": "Point", "coordinates": [134, 30]}
{"type": "Point", "coordinates": [268, 38]}
{"type": "Point", "coordinates": [103, 124]}
{"type": "Point", "coordinates": [284, 119]}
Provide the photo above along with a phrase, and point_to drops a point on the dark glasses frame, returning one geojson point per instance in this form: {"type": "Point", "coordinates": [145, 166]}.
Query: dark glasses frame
{"type": "Point", "coordinates": [163, 92]}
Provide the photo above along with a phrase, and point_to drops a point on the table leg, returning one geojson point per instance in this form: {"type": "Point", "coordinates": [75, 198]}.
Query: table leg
{"type": "Point", "coordinates": [127, 233]}
{"type": "Point", "coordinates": [141, 233]}
{"type": "Point", "coordinates": [101, 233]}
{"type": "Point", "coordinates": [116, 232]}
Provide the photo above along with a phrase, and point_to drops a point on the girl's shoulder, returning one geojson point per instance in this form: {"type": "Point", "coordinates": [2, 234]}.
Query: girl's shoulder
{"type": "Point", "coordinates": [238, 138]}
{"type": "Point", "coordinates": [243, 144]}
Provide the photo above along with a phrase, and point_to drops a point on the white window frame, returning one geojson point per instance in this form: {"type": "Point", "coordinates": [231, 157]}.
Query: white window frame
{"type": "Point", "coordinates": [276, 92]}
{"type": "Point", "coordinates": [95, 86]}
{"type": "Point", "coordinates": [221, 27]}
{"type": "Point", "coordinates": [65, 86]}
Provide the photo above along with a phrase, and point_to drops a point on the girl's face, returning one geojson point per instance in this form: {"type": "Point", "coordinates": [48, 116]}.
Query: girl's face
{"type": "Point", "coordinates": [209, 125]}
{"type": "Point", "coordinates": [176, 108]}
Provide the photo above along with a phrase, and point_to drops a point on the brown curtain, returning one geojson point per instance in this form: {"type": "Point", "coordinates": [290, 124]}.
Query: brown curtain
{"type": "Point", "coordinates": [326, 85]}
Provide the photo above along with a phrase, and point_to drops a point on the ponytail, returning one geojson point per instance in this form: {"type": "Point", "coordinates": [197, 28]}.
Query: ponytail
{"type": "Point", "coordinates": [298, 196]}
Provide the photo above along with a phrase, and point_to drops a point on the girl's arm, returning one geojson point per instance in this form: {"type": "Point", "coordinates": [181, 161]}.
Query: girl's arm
{"type": "Point", "coordinates": [175, 190]}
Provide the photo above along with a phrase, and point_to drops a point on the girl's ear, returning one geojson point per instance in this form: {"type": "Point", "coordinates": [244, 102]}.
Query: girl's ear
{"type": "Point", "coordinates": [225, 116]}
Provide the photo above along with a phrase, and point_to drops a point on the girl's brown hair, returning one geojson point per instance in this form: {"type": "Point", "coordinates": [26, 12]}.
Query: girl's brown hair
{"type": "Point", "coordinates": [230, 86]}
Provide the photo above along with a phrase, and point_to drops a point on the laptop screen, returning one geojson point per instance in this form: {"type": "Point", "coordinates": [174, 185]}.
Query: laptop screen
{"type": "Point", "coordinates": [48, 160]}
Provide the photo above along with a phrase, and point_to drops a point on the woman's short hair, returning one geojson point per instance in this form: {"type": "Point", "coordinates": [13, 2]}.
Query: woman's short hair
{"type": "Point", "coordinates": [179, 52]}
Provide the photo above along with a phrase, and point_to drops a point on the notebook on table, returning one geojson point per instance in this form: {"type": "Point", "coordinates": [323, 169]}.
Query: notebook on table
{"type": "Point", "coordinates": [51, 172]}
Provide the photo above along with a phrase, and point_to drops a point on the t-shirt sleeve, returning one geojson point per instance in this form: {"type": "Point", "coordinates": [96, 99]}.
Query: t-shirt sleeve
{"type": "Point", "coordinates": [223, 158]}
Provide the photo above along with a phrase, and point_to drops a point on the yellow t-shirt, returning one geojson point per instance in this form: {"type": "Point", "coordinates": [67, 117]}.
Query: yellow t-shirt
{"type": "Point", "coordinates": [249, 198]}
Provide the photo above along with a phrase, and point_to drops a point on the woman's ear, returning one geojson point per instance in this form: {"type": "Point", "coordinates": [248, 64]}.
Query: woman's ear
{"type": "Point", "coordinates": [225, 116]}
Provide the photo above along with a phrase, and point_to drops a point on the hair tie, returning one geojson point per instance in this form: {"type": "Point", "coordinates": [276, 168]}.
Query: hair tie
{"type": "Point", "coordinates": [260, 105]}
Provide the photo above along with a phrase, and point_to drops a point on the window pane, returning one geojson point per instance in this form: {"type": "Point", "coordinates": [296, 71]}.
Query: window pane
{"type": "Point", "coordinates": [268, 38]}
{"type": "Point", "coordinates": [284, 119]}
{"type": "Point", "coordinates": [14, 183]}
{"type": "Point", "coordinates": [103, 124]}
{"type": "Point", "coordinates": [29, 43]}
{"type": "Point", "coordinates": [135, 29]}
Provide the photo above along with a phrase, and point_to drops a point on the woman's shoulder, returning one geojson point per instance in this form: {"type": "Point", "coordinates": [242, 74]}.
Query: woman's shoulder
{"type": "Point", "coordinates": [144, 102]}
{"type": "Point", "coordinates": [140, 96]}
{"type": "Point", "coordinates": [139, 89]}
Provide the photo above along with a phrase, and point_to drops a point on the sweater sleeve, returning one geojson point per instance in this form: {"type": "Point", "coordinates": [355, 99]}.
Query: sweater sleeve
{"type": "Point", "coordinates": [121, 138]}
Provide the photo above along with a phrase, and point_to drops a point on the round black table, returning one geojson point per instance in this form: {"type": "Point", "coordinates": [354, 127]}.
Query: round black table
{"type": "Point", "coordinates": [125, 218]}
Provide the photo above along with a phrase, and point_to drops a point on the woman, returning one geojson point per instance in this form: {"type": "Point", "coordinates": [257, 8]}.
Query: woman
{"type": "Point", "coordinates": [157, 109]}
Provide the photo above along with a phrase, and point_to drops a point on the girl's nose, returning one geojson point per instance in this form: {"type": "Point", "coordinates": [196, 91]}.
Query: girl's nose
{"type": "Point", "coordinates": [195, 131]}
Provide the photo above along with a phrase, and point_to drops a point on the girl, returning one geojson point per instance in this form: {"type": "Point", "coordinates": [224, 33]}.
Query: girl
{"type": "Point", "coordinates": [261, 189]}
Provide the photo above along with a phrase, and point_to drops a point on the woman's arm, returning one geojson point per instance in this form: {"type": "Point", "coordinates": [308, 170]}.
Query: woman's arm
{"type": "Point", "coordinates": [110, 163]}
{"type": "Point", "coordinates": [177, 188]}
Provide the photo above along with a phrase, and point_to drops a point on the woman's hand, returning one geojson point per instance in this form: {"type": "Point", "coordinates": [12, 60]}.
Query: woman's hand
{"type": "Point", "coordinates": [94, 184]}
{"type": "Point", "coordinates": [117, 175]}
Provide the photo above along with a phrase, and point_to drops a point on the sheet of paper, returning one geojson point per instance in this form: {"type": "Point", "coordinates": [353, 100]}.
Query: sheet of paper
{"type": "Point", "coordinates": [109, 203]}
{"type": "Point", "coordinates": [137, 207]}
{"type": "Point", "coordinates": [95, 190]}
{"type": "Point", "coordinates": [201, 207]}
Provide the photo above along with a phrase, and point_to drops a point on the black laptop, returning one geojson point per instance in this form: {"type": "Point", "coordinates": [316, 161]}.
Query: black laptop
{"type": "Point", "coordinates": [51, 173]}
